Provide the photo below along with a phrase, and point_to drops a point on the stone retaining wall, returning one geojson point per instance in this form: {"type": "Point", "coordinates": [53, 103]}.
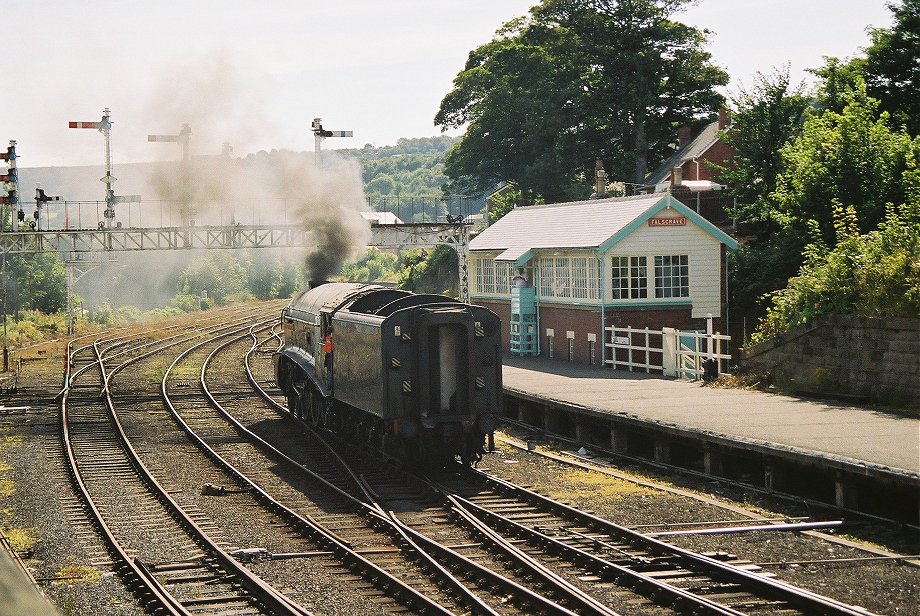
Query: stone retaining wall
{"type": "Point", "coordinates": [878, 358]}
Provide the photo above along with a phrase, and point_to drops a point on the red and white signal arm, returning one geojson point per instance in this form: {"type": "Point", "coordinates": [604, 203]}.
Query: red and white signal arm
{"type": "Point", "coordinates": [83, 125]}
{"type": "Point", "coordinates": [679, 221]}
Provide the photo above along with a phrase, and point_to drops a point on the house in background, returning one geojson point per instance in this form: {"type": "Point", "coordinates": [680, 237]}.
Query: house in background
{"type": "Point", "coordinates": [688, 173]}
{"type": "Point", "coordinates": [559, 274]}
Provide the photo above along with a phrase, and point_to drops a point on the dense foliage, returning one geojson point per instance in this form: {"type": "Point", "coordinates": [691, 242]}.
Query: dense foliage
{"type": "Point", "coordinates": [411, 168]}
{"type": "Point", "coordinates": [891, 68]}
{"type": "Point", "coordinates": [374, 266]}
{"type": "Point", "coordinates": [429, 271]}
{"type": "Point", "coordinates": [35, 282]}
{"type": "Point", "coordinates": [806, 159]}
{"type": "Point", "coordinates": [853, 157]}
{"type": "Point", "coordinates": [871, 274]}
{"type": "Point", "coordinates": [577, 81]}
{"type": "Point", "coordinates": [408, 180]}
{"type": "Point", "coordinates": [769, 116]}
{"type": "Point", "coordinates": [224, 277]}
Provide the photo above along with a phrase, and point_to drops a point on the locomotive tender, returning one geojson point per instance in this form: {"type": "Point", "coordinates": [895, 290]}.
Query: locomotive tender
{"type": "Point", "coordinates": [416, 375]}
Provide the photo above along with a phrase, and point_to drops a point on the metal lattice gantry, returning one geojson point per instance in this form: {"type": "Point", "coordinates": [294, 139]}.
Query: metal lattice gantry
{"type": "Point", "coordinates": [456, 235]}
{"type": "Point", "coordinates": [74, 243]}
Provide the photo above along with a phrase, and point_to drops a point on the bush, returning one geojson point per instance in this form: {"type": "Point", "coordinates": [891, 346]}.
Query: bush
{"type": "Point", "coordinates": [874, 274]}
{"type": "Point", "coordinates": [35, 326]}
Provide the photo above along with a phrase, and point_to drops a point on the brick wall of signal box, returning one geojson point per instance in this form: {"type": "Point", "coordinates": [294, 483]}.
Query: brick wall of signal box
{"type": "Point", "coordinates": [582, 321]}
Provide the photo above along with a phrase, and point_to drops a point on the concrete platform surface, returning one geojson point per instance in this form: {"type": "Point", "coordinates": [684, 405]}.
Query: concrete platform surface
{"type": "Point", "coordinates": [822, 428]}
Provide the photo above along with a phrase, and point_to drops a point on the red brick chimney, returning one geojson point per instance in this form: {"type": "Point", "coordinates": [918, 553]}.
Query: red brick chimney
{"type": "Point", "coordinates": [683, 136]}
{"type": "Point", "coordinates": [724, 117]}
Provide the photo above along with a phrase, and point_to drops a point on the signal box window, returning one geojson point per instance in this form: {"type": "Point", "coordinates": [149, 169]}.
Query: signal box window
{"type": "Point", "coordinates": [629, 278]}
{"type": "Point", "coordinates": [672, 276]}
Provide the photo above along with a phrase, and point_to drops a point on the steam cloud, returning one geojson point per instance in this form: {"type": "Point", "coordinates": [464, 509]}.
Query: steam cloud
{"type": "Point", "coordinates": [329, 198]}
{"type": "Point", "coordinates": [215, 187]}
{"type": "Point", "coordinates": [324, 195]}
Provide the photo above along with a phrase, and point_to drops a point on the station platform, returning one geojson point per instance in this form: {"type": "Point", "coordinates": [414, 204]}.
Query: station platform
{"type": "Point", "coordinates": [861, 441]}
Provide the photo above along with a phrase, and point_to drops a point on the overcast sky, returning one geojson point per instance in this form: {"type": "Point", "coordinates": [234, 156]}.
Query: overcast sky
{"type": "Point", "coordinates": [255, 73]}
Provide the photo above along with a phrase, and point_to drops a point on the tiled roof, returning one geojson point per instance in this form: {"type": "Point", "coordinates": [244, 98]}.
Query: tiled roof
{"type": "Point", "coordinates": [581, 224]}
{"type": "Point", "coordinates": [695, 148]}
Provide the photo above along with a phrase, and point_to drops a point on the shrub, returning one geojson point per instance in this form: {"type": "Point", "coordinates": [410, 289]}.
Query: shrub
{"type": "Point", "coordinates": [873, 274]}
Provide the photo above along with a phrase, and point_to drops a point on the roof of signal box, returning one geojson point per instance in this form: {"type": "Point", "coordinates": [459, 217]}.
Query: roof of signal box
{"type": "Point", "coordinates": [580, 224]}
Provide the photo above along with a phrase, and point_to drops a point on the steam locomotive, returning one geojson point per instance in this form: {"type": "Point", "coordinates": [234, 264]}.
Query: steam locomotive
{"type": "Point", "coordinates": [415, 375]}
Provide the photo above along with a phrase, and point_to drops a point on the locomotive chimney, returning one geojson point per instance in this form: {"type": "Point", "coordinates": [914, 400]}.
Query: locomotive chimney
{"type": "Point", "coordinates": [312, 284]}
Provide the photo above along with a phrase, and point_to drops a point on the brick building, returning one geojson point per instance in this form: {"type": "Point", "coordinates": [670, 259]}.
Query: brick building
{"type": "Point", "coordinates": [688, 174]}
{"type": "Point", "coordinates": [557, 275]}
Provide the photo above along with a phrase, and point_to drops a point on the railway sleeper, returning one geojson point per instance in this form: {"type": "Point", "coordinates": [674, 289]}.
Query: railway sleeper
{"type": "Point", "coordinates": [241, 600]}
{"type": "Point", "coordinates": [204, 576]}
{"type": "Point", "coordinates": [177, 565]}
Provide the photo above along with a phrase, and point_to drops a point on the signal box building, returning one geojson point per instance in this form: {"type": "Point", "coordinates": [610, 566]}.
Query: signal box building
{"type": "Point", "coordinates": [559, 274]}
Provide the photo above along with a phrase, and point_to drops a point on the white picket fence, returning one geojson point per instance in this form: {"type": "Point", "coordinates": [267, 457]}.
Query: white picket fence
{"type": "Point", "coordinates": [669, 351]}
{"type": "Point", "coordinates": [638, 349]}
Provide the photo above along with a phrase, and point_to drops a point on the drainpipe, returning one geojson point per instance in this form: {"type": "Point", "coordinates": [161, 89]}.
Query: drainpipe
{"type": "Point", "coordinates": [727, 297]}
{"type": "Point", "coordinates": [697, 162]}
{"type": "Point", "coordinates": [536, 300]}
{"type": "Point", "coordinates": [603, 296]}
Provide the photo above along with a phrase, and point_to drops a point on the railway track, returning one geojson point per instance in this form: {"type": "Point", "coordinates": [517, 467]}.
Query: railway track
{"type": "Point", "coordinates": [599, 552]}
{"type": "Point", "coordinates": [162, 551]}
{"type": "Point", "coordinates": [276, 517]}
{"type": "Point", "coordinates": [481, 589]}
{"type": "Point", "coordinates": [314, 511]}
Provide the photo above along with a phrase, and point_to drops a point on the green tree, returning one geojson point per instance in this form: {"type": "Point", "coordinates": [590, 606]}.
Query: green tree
{"type": "Point", "coordinates": [293, 279]}
{"type": "Point", "coordinates": [503, 201]}
{"type": "Point", "coordinates": [841, 83]}
{"type": "Point", "coordinates": [892, 65]}
{"type": "Point", "coordinates": [853, 158]}
{"type": "Point", "coordinates": [424, 271]}
{"type": "Point", "coordinates": [263, 276]}
{"type": "Point", "coordinates": [871, 274]}
{"type": "Point", "coordinates": [222, 275]}
{"type": "Point", "coordinates": [382, 184]}
{"type": "Point", "coordinates": [766, 118]}
{"type": "Point", "coordinates": [576, 81]}
{"type": "Point", "coordinates": [761, 267]}
{"type": "Point", "coordinates": [375, 265]}
{"type": "Point", "coordinates": [37, 282]}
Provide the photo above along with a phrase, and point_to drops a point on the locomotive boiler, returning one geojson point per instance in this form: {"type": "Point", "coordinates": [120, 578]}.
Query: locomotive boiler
{"type": "Point", "coordinates": [416, 375]}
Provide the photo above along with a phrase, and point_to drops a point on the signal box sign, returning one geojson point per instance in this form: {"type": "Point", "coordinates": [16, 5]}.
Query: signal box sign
{"type": "Point", "coordinates": [679, 221]}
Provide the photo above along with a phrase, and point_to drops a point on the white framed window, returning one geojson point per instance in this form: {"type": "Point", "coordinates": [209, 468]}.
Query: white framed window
{"type": "Point", "coordinates": [485, 274]}
{"type": "Point", "coordinates": [552, 276]}
{"type": "Point", "coordinates": [629, 277]}
{"type": "Point", "coordinates": [584, 278]}
{"type": "Point", "coordinates": [502, 277]}
{"type": "Point", "coordinates": [569, 277]}
{"type": "Point", "coordinates": [672, 276]}
{"type": "Point", "coordinates": [493, 277]}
